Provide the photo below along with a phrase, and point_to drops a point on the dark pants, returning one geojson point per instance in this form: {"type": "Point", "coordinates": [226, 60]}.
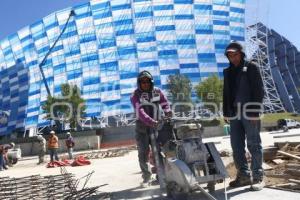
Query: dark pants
{"type": "Point", "coordinates": [241, 130]}
{"type": "Point", "coordinates": [42, 155]}
{"type": "Point", "coordinates": [2, 161]}
{"type": "Point", "coordinates": [70, 152]}
{"type": "Point", "coordinates": [53, 154]}
{"type": "Point", "coordinates": [143, 146]}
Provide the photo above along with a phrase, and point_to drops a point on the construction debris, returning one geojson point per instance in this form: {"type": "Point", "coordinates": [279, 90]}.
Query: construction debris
{"type": "Point", "coordinates": [266, 166]}
{"type": "Point", "coordinates": [107, 153]}
{"type": "Point", "coordinates": [286, 168]}
{"type": "Point", "coordinates": [285, 172]}
{"type": "Point", "coordinates": [278, 161]}
{"type": "Point", "coordinates": [63, 186]}
{"type": "Point", "coordinates": [289, 155]}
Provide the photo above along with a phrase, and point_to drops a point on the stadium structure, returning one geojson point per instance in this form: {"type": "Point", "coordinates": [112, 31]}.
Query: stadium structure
{"type": "Point", "coordinates": [279, 62]}
{"type": "Point", "coordinates": [102, 45]}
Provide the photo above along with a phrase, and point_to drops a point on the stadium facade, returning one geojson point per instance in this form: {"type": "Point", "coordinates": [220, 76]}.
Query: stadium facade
{"type": "Point", "coordinates": [285, 67]}
{"type": "Point", "coordinates": [105, 45]}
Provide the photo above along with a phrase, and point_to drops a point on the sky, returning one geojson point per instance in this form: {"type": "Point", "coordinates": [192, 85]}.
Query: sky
{"type": "Point", "coordinates": [279, 15]}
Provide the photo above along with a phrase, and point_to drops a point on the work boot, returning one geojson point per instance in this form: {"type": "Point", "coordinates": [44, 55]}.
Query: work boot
{"type": "Point", "coordinates": [257, 185]}
{"type": "Point", "coordinates": [240, 181]}
{"type": "Point", "coordinates": [146, 177]}
{"type": "Point", "coordinates": [146, 181]}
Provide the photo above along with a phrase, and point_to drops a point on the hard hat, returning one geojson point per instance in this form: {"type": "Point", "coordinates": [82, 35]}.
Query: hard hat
{"type": "Point", "coordinates": [68, 133]}
{"type": "Point", "coordinates": [39, 137]}
{"type": "Point", "coordinates": [12, 144]}
{"type": "Point", "coordinates": [145, 74]}
{"type": "Point", "coordinates": [52, 132]}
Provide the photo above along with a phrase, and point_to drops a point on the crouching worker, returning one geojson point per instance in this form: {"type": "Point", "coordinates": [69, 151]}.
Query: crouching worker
{"type": "Point", "coordinates": [4, 162]}
{"type": "Point", "coordinates": [42, 148]}
{"type": "Point", "coordinates": [146, 100]}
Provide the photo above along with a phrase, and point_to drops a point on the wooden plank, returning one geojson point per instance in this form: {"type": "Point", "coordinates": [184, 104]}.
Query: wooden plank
{"type": "Point", "coordinates": [294, 181]}
{"type": "Point", "coordinates": [283, 176]}
{"type": "Point", "coordinates": [289, 155]}
{"type": "Point", "coordinates": [265, 166]}
{"type": "Point", "coordinates": [278, 161]}
{"type": "Point", "coordinates": [293, 165]}
{"type": "Point", "coordinates": [293, 172]}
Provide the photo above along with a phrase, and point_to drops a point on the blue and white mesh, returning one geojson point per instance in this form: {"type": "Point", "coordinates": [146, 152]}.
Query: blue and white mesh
{"type": "Point", "coordinates": [106, 44]}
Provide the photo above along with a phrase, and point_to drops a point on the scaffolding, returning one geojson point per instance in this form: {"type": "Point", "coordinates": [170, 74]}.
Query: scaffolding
{"type": "Point", "coordinates": [257, 48]}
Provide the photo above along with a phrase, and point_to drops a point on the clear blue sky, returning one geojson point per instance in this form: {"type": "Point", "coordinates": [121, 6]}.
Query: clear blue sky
{"type": "Point", "coordinates": [282, 16]}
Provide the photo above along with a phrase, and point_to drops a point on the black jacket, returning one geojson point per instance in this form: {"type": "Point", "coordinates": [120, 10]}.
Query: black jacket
{"type": "Point", "coordinates": [232, 83]}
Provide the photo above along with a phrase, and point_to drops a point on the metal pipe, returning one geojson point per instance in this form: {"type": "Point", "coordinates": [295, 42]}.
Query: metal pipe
{"type": "Point", "coordinates": [205, 192]}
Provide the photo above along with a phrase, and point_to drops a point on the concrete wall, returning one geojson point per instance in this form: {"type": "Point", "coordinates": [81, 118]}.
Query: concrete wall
{"type": "Point", "coordinates": [105, 138]}
{"type": "Point", "coordinates": [81, 143]}
{"type": "Point", "coordinates": [122, 136]}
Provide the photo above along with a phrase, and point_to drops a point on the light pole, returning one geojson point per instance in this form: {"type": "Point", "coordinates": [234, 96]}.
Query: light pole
{"type": "Point", "coordinates": [72, 13]}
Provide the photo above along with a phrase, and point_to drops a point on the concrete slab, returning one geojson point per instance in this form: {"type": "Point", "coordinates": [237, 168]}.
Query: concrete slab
{"type": "Point", "coordinates": [122, 174]}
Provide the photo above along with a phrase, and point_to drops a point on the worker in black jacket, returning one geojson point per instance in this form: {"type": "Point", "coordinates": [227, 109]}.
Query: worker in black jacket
{"type": "Point", "coordinates": [242, 104]}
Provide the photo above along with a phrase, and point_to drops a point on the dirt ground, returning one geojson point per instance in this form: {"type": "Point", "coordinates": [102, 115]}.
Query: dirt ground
{"type": "Point", "coordinates": [279, 174]}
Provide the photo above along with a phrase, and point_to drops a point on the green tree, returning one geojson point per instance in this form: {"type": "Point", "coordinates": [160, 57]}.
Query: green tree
{"type": "Point", "coordinates": [67, 105]}
{"type": "Point", "coordinates": [180, 88]}
{"type": "Point", "coordinates": [211, 90]}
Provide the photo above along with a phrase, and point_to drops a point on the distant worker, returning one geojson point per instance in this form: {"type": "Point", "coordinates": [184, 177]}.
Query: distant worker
{"type": "Point", "coordinates": [242, 103]}
{"type": "Point", "coordinates": [4, 162]}
{"type": "Point", "coordinates": [42, 149]}
{"type": "Point", "coordinates": [146, 117]}
{"type": "Point", "coordinates": [53, 146]}
{"type": "Point", "coordinates": [1, 158]}
{"type": "Point", "coordinates": [70, 144]}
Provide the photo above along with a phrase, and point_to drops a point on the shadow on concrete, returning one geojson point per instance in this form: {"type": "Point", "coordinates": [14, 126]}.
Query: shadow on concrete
{"type": "Point", "coordinates": [139, 192]}
{"type": "Point", "coordinates": [232, 193]}
{"type": "Point", "coordinates": [157, 194]}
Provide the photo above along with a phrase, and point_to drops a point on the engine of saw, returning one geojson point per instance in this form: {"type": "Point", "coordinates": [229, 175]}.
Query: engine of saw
{"type": "Point", "coordinates": [190, 148]}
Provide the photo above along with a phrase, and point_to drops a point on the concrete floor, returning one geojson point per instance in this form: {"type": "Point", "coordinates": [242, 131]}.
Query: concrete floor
{"type": "Point", "coordinates": [123, 178]}
{"type": "Point", "coordinates": [122, 174]}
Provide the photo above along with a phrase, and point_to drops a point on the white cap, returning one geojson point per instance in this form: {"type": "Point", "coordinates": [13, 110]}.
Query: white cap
{"type": "Point", "coordinates": [68, 133]}
{"type": "Point", "coordinates": [52, 132]}
{"type": "Point", "coordinates": [233, 50]}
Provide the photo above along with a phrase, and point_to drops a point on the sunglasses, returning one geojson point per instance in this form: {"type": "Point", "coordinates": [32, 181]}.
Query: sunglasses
{"type": "Point", "coordinates": [145, 82]}
{"type": "Point", "coordinates": [233, 54]}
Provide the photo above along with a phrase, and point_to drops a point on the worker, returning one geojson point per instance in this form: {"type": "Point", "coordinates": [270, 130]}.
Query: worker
{"type": "Point", "coordinates": [42, 148]}
{"type": "Point", "coordinates": [146, 115]}
{"type": "Point", "coordinates": [53, 146]}
{"type": "Point", "coordinates": [4, 161]}
{"type": "Point", "coordinates": [70, 144]}
{"type": "Point", "coordinates": [242, 103]}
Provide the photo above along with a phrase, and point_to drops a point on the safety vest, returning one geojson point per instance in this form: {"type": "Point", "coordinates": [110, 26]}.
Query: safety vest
{"type": "Point", "coordinates": [53, 142]}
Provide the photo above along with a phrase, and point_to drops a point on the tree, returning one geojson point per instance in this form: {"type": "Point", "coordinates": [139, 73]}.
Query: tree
{"type": "Point", "coordinates": [211, 90]}
{"type": "Point", "coordinates": [180, 87]}
{"type": "Point", "coordinates": [67, 105]}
